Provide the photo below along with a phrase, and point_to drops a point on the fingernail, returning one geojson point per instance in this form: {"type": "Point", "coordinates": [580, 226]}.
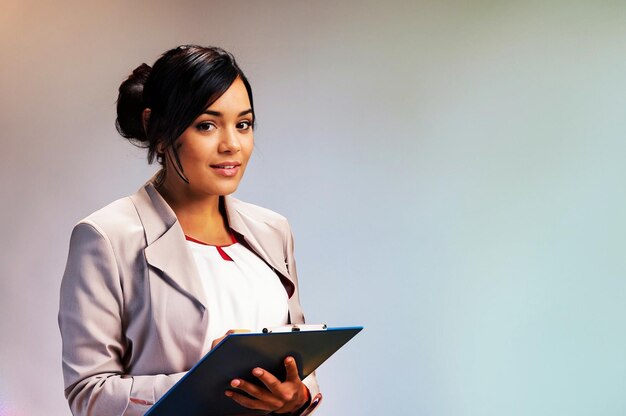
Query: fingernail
{"type": "Point", "coordinates": [289, 360]}
{"type": "Point", "coordinates": [228, 393]}
{"type": "Point", "coordinates": [235, 383]}
{"type": "Point", "coordinates": [257, 372]}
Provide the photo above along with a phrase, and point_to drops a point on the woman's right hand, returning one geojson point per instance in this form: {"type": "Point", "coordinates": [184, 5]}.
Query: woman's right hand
{"type": "Point", "coordinates": [229, 332]}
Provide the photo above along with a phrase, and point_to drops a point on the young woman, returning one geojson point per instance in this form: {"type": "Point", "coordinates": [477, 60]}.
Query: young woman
{"type": "Point", "coordinates": [155, 279]}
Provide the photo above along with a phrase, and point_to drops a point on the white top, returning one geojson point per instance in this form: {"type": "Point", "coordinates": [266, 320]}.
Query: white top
{"type": "Point", "coordinates": [242, 291]}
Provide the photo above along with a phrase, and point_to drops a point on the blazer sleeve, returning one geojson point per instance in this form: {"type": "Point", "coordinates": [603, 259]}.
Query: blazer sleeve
{"type": "Point", "coordinates": [90, 320]}
{"type": "Point", "coordinates": [311, 380]}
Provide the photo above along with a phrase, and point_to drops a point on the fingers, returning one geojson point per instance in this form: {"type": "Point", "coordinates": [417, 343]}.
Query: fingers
{"type": "Point", "coordinates": [271, 382]}
{"type": "Point", "coordinates": [292, 369]}
{"type": "Point", "coordinates": [273, 395]}
{"type": "Point", "coordinates": [260, 398]}
{"type": "Point", "coordinates": [217, 341]}
{"type": "Point", "coordinates": [229, 332]}
{"type": "Point", "coordinates": [248, 402]}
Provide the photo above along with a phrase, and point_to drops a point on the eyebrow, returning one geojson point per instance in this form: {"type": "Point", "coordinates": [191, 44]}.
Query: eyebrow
{"type": "Point", "coordinates": [218, 114]}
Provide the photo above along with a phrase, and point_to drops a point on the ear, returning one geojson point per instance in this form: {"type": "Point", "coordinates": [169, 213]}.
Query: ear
{"type": "Point", "coordinates": [145, 118]}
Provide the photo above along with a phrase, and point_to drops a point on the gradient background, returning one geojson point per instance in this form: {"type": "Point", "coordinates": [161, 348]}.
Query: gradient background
{"type": "Point", "coordinates": [453, 171]}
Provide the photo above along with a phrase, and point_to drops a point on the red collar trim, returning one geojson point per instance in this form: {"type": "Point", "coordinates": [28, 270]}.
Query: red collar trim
{"type": "Point", "coordinates": [232, 239]}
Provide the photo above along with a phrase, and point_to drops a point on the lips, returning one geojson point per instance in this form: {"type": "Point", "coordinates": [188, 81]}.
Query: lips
{"type": "Point", "coordinates": [227, 168]}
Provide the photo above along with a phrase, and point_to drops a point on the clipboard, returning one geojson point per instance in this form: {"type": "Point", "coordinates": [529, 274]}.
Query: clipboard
{"type": "Point", "coordinates": [201, 391]}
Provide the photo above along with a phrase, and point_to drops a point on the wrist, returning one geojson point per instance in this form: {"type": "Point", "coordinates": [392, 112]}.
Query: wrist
{"type": "Point", "coordinates": [304, 391]}
{"type": "Point", "coordinates": [307, 400]}
{"type": "Point", "coordinates": [311, 406]}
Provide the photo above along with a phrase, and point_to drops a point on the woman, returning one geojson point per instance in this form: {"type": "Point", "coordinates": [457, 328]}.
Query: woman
{"type": "Point", "coordinates": [155, 279]}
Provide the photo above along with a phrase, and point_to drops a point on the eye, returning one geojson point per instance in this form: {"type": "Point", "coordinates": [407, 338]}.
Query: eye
{"type": "Point", "coordinates": [244, 125]}
{"type": "Point", "coordinates": [205, 126]}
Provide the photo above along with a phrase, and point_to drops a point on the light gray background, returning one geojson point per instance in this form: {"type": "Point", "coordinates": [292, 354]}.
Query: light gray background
{"type": "Point", "coordinates": [453, 171]}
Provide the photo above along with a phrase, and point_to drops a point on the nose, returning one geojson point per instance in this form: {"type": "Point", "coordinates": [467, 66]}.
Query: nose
{"type": "Point", "coordinates": [230, 142]}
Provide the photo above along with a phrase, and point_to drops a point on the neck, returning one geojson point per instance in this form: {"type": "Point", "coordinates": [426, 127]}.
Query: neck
{"type": "Point", "coordinates": [199, 215]}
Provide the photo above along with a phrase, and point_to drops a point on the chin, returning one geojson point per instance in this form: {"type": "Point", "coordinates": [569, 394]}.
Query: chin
{"type": "Point", "coordinates": [227, 190]}
{"type": "Point", "coordinates": [218, 187]}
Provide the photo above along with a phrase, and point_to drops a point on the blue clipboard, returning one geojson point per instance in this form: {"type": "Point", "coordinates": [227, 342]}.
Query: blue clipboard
{"type": "Point", "coordinates": [201, 391]}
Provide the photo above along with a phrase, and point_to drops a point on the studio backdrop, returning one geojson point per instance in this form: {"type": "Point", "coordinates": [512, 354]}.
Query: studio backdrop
{"type": "Point", "coordinates": [453, 172]}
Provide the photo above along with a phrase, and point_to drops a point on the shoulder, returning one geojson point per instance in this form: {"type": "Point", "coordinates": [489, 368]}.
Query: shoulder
{"type": "Point", "coordinates": [118, 223]}
{"type": "Point", "coordinates": [117, 212]}
{"type": "Point", "coordinates": [117, 216]}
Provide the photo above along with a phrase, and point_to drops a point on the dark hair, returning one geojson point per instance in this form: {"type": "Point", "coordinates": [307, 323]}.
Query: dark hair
{"type": "Point", "coordinates": [183, 82]}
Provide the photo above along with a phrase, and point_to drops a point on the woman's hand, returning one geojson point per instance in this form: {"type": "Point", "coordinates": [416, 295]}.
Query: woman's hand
{"type": "Point", "coordinates": [277, 397]}
{"type": "Point", "coordinates": [229, 332]}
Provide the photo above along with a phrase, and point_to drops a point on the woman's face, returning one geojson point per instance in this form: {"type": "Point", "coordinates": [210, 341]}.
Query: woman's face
{"type": "Point", "coordinates": [214, 150]}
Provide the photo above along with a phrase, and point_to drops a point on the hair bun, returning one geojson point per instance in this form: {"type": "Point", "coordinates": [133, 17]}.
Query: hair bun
{"type": "Point", "coordinates": [141, 72]}
{"type": "Point", "coordinates": [130, 105]}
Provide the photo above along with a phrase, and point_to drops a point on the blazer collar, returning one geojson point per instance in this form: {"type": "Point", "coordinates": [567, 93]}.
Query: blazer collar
{"type": "Point", "coordinates": [167, 249]}
{"type": "Point", "coordinates": [257, 234]}
{"type": "Point", "coordinates": [261, 238]}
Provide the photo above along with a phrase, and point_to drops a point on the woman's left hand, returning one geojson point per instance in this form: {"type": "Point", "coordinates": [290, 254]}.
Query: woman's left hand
{"type": "Point", "coordinates": [277, 397]}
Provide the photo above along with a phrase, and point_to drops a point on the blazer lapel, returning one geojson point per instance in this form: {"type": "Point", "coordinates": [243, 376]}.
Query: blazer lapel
{"type": "Point", "coordinates": [254, 232]}
{"type": "Point", "coordinates": [167, 250]}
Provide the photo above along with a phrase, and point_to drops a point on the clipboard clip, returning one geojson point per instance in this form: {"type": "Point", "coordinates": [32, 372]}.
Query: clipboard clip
{"type": "Point", "coordinates": [295, 328]}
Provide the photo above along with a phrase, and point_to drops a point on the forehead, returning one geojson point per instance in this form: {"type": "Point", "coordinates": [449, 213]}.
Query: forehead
{"type": "Point", "coordinates": [235, 99]}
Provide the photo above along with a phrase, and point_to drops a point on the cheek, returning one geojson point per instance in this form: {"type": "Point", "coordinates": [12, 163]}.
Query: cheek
{"type": "Point", "coordinates": [249, 148]}
{"type": "Point", "coordinates": [197, 150]}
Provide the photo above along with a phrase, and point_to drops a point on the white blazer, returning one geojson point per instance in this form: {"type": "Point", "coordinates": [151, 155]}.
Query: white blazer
{"type": "Point", "coordinates": [133, 314]}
